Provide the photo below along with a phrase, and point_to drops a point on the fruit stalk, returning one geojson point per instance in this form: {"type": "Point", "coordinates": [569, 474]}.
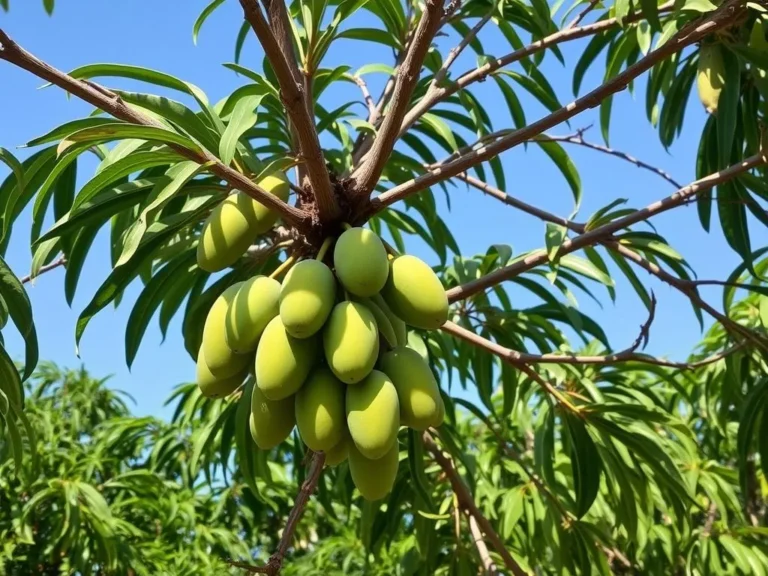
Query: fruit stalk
{"type": "Point", "coordinates": [283, 267]}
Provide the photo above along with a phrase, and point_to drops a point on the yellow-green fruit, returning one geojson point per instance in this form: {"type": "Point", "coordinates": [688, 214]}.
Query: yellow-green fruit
{"type": "Point", "coordinates": [282, 361]}
{"type": "Point", "coordinates": [440, 416]}
{"type": "Point", "coordinates": [254, 305]}
{"type": "Point", "coordinates": [711, 76]}
{"type": "Point", "coordinates": [306, 298]}
{"type": "Point", "coordinates": [382, 322]}
{"type": "Point", "coordinates": [414, 292]}
{"type": "Point", "coordinates": [212, 387]}
{"type": "Point", "coordinates": [271, 421]}
{"type": "Point", "coordinates": [361, 261]}
{"type": "Point", "coordinates": [416, 342]}
{"type": "Point", "coordinates": [338, 453]}
{"type": "Point", "coordinates": [264, 218]}
{"type": "Point", "coordinates": [374, 478]}
{"type": "Point", "coordinates": [417, 389]}
{"type": "Point", "coordinates": [373, 414]}
{"type": "Point", "coordinates": [351, 342]}
{"type": "Point", "coordinates": [219, 357]}
{"type": "Point", "coordinates": [399, 327]}
{"type": "Point", "coordinates": [234, 224]}
{"type": "Point", "coordinates": [320, 410]}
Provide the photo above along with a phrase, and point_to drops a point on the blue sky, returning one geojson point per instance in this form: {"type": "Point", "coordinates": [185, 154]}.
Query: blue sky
{"type": "Point", "coordinates": [158, 35]}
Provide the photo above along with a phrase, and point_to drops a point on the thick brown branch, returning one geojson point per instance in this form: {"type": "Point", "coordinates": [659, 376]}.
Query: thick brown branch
{"type": "Point", "coordinates": [468, 503]}
{"type": "Point", "coordinates": [110, 102]}
{"type": "Point", "coordinates": [690, 34]}
{"type": "Point", "coordinates": [604, 232]}
{"type": "Point", "coordinates": [481, 73]}
{"type": "Point", "coordinates": [367, 175]}
{"type": "Point", "coordinates": [292, 94]}
{"type": "Point", "coordinates": [275, 563]}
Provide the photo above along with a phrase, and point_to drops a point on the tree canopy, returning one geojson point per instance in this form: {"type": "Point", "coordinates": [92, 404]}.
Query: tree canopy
{"type": "Point", "coordinates": [577, 457]}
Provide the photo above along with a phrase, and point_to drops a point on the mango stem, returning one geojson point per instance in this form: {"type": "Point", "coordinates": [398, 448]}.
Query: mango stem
{"type": "Point", "coordinates": [283, 267]}
{"type": "Point", "coordinates": [324, 249]}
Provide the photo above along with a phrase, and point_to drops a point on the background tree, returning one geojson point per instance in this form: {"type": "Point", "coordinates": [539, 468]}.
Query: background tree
{"type": "Point", "coordinates": [603, 459]}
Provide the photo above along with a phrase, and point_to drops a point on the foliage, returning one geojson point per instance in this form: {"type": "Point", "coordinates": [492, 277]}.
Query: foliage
{"type": "Point", "coordinates": [582, 460]}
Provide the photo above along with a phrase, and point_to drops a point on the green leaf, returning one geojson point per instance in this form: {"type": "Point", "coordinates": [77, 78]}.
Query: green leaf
{"type": "Point", "coordinates": [586, 464]}
{"type": "Point", "coordinates": [369, 35]}
{"type": "Point", "coordinates": [706, 163]}
{"type": "Point", "coordinates": [585, 268]}
{"type": "Point", "coordinates": [555, 236]}
{"type": "Point", "coordinates": [563, 161]}
{"type": "Point", "coordinates": [123, 167]}
{"type": "Point", "coordinates": [12, 162]}
{"type": "Point", "coordinates": [112, 131]}
{"type": "Point", "coordinates": [727, 107]}
{"type": "Point", "coordinates": [20, 310]}
{"type": "Point", "coordinates": [754, 406]}
{"type": "Point", "coordinates": [733, 220]}
{"type": "Point", "coordinates": [207, 11]}
{"type": "Point", "coordinates": [243, 118]}
{"type": "Point", "coordinates": [10, 382]}
{"type": "Point", "coordinates": [416, 468]}
{"type": "Point", "coordinates": [120, 277]}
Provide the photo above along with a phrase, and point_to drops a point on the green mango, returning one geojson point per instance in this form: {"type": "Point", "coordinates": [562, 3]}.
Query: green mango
{"type": "Point", "coordinates": [221, 360]}
{"type": "Point", "coordinates": [414, 293]}
{"type": "Point", "coordinates": [271, 421]}
{"type": "Point", "coordinates": [417, 389]}
{"type": "Point", "coordinates": [320, 410]}
{"type": "Point", "coordinates": [213, 387]}
{"type": "Point", "coordinates": [351, 342]}
{"type": "Point", "coordinates": [282, 361]}
{"type": "Point", "coordinates": [373, 414]}
{"type": "Point", "coordinates": [374, 478]}
{"type": "Point", "coordinates": [360, 260]}
{"type": "Point", "coordinates": [306, 298]}
{"type": "Point", "coordinates": [254, 305]}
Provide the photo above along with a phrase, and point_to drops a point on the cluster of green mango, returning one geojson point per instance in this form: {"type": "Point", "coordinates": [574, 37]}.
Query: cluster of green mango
{"type": "Point", "coordinates": [328, 350]}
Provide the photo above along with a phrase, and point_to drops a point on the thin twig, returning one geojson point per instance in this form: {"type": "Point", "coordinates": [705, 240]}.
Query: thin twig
{"type": "Point", "coordinates": [369, 103]}
{"type": "Point", "coordinates": [578, 139]}
{"type": "Point", "coordinates": [457, 50]}
{"type": "Point", "coordinates": [43, 269]}
{"type": "Point", "coordinates": [468, 503]}
{"type": "Point", "coordinates": [293, 96]}
{"type": "Point", "coordinates": [724, 16]}
{"type": "Point", "coordinates": [275, 562]}
{"type": "Point", "coordinates": [111, 102]}
{"type": "Point", "coordinates": [482, 549]}
{"type": "Point", "coordinates": [605, 231]}
{"type": "Point", "coordinates": [481, 73]}
{"type": "Point", "coordinates": [576, 21]}
{"type": "Point", "coordinates": [368, 173]}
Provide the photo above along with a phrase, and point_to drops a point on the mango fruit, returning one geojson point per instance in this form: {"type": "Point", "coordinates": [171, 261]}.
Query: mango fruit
{"type": "Point", "coordinates": [414, 292]}
{"type": "Point", "coordinates": [382, 321]}
{"type": "Point", "coordinates": [440, 416]}
{"type": "Point", "coordinates": [271, 421]}
{"type": "Point", "coordinates": [282, 361]}
{"type": "Point", "coordinates": [338, 453]}
{"type": "Point", "coordinates": [710, 78]}
{"type": "Point", "coordinates": [320, 410]}
{"type": "Point", "coordinates": [373, 414]}
{"type": "Point", "coordinates": [416, 342]}
{"type": "Point", "coordinates": [306, 298]}
{"type": "Point", "coordinates": [361, 263]}
{"type": "Point", "coordinates": [351, 341]}
{"type": "Point", "coordinates": [213, 387]}
{"type": "Point", "coordinates": [399, 327]}
{"type": "Point", "coordinates": [374, 478]}
{"type": "Point", "coordinates": [219, 357]}
{"type": "Point", "coordinates": [235, 223]}
{"type": "Point", "coordinates": [251, 309]}
{"type": "Point", "coordinates": [417, 389]}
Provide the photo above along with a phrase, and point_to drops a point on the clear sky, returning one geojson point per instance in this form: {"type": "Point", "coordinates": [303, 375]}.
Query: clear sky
{"type": "Point", "coordinates": [157, 35]}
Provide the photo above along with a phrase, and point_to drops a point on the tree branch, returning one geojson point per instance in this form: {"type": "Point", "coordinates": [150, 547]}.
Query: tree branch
{"type": "Point", "coordinates": [111, 102]}
{"type": "Point", "coordinates": [43, 269]}
{"type": "Point", "coordinates": [481, 73]}
{"type": "Point", "coordinates": [690, 34]}
{"type": "Point", "coordinates": [370, 170]}
{"type": "Point", "coordinates": [576, 21]}
{"type": "Point", "coordinates": [293, 97]}
{"type": "Point", "coordinates": [456, 51]}
{"type": "Point", "coordinates": [578, 139]}
{"type": "Point", "coordinates": [482, 549]}
{"type": "Point", "coordinates": [275, 563]}
{"type": "Point", "coordinates": [596, 235]}
{"type": "Point", "coordinates": [369, 103]}
{"type": "Point", "coordinates": [467, 503]}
